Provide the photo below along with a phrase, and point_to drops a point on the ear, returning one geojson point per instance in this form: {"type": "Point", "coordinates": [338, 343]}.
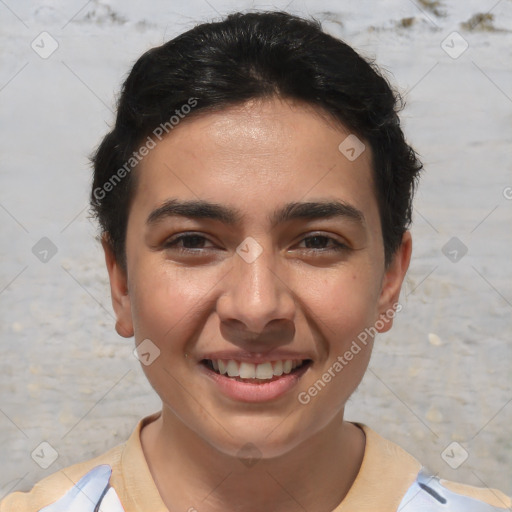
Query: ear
{"type": "Point", "coordinates": [392, 284]}
{"type": "Point", "coordinates": [118, 290]}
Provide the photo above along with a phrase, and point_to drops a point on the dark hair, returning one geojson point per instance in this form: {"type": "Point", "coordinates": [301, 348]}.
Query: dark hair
{"type": "Point", "coordinates": [247, 56]}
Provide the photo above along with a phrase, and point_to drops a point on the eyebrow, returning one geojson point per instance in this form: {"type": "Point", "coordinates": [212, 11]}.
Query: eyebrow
{"type": "Point", "coordinates": [200, 209]}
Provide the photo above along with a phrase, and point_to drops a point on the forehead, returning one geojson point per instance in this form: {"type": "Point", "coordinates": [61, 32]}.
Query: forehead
{"type": "Point", "coordinates": [254, 156]}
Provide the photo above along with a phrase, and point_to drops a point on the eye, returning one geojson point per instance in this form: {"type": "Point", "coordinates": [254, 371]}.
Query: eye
{"type": "Point", "coordinates": [317, 239]}
{"type": "Point", "coordinates": [193, 243]}
{"type": "Point", "coordinates": [190, 239]}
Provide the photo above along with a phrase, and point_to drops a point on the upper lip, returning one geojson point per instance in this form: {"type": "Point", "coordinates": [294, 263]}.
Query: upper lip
{"type": "Point", "coordinates": [255, 357]}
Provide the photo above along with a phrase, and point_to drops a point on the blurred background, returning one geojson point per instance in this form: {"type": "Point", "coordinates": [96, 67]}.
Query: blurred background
{"type": "Point", "coordinates": [439, 383]}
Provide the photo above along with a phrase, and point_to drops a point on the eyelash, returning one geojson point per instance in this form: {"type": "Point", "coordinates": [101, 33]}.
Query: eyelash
{"type": "Point", "coordinates": [172, 244]}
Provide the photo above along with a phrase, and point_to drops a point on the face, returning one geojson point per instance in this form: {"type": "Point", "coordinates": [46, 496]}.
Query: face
{"type": "Point", "coordinates": [254, 248]}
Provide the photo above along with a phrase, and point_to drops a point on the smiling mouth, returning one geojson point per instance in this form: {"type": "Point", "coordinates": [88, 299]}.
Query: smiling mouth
{"type": "Point", "coordinates": [256, 373]}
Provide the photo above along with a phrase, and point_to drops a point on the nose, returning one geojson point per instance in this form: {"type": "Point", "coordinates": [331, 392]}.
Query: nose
{"type": "Point", "coordinates": [258, 304]}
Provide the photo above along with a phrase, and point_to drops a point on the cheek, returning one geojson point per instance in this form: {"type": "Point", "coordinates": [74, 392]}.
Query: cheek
{"type": "Point", "coordinates": [171, 305]}
{"type": "Point", "coordinates": [345, 310]}
{"type": "Point", "coordinates": [346, 302]}
{"type": "Point", "coordinates": [161, 300]}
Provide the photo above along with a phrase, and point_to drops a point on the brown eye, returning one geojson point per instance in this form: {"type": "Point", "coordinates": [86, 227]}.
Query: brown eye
{"type": "Point", "coordinates": [192, 243]}
{"type": "Point", "coordinates": [316, 242]}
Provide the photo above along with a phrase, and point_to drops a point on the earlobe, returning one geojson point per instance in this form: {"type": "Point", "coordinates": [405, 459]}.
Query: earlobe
{"type": "Point", "coordinates": [118, 290]}
{"type": "Point", "coordinates": [392, 283]}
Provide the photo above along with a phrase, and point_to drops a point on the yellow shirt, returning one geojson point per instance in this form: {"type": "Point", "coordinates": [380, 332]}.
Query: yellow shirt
{"type": "Point", "coordinates": [387, 473]}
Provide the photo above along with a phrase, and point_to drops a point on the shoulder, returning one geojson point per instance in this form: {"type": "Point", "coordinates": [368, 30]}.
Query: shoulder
{"type": "Point", "coordinates": [398, 482]}
{"type": "Point", "coordinates": [83, 485]}
{"type": "Point", "coordinates": [428, 493]}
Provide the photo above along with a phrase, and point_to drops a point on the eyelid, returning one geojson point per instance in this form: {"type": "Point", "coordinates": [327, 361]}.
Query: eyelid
{"type": "Point", "coordinates": [180, 236]}
{"type": "Point", "coordinates": [335, 238]}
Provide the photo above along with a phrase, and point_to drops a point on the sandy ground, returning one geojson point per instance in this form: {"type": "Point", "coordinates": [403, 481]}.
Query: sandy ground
{"type": "Point", "coordinates": [442, 375]}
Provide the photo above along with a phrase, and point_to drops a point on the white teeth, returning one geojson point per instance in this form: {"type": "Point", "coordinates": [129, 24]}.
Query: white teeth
{"type": "Point", "coordinates": [262, 371]}
{"type": "Point", "coordinates": [278, 368]}
{"type": "Point", "coordinates": [222, 367]}
{"type": "Point", "coordinates": [232, 369]}
{"type": "Point", "coordinates": [248, 371]}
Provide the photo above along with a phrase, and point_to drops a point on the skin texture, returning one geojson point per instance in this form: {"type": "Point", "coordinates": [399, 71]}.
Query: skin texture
{"type": "Point", "coordinates": [296, 296]}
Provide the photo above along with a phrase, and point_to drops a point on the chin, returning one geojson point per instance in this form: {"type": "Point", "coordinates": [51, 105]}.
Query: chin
{"type": "Point", "coordinates": [260, 438]}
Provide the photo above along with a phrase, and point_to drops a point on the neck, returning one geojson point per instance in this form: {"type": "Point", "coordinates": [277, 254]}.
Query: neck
{"type": "Point", "coordinates": [190, 474]}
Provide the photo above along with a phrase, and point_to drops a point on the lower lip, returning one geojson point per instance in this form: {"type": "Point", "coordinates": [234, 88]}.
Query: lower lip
{"type": "Point", "coordinates": [255, 392]}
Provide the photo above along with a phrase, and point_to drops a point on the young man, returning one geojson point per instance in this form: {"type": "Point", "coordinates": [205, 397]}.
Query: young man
{"type": "Point", "coordinates": [254, 198]}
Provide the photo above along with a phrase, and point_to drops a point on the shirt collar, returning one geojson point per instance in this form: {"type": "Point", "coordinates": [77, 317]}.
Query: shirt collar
{"type": "Point", "coordinates": [386, 472]}
{"type": "Point", "coordinates": [139, 486]}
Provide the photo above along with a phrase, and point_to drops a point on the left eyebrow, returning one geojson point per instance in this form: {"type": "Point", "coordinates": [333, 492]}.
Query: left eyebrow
{"type": "Point", "coordinates": [200, 209]}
